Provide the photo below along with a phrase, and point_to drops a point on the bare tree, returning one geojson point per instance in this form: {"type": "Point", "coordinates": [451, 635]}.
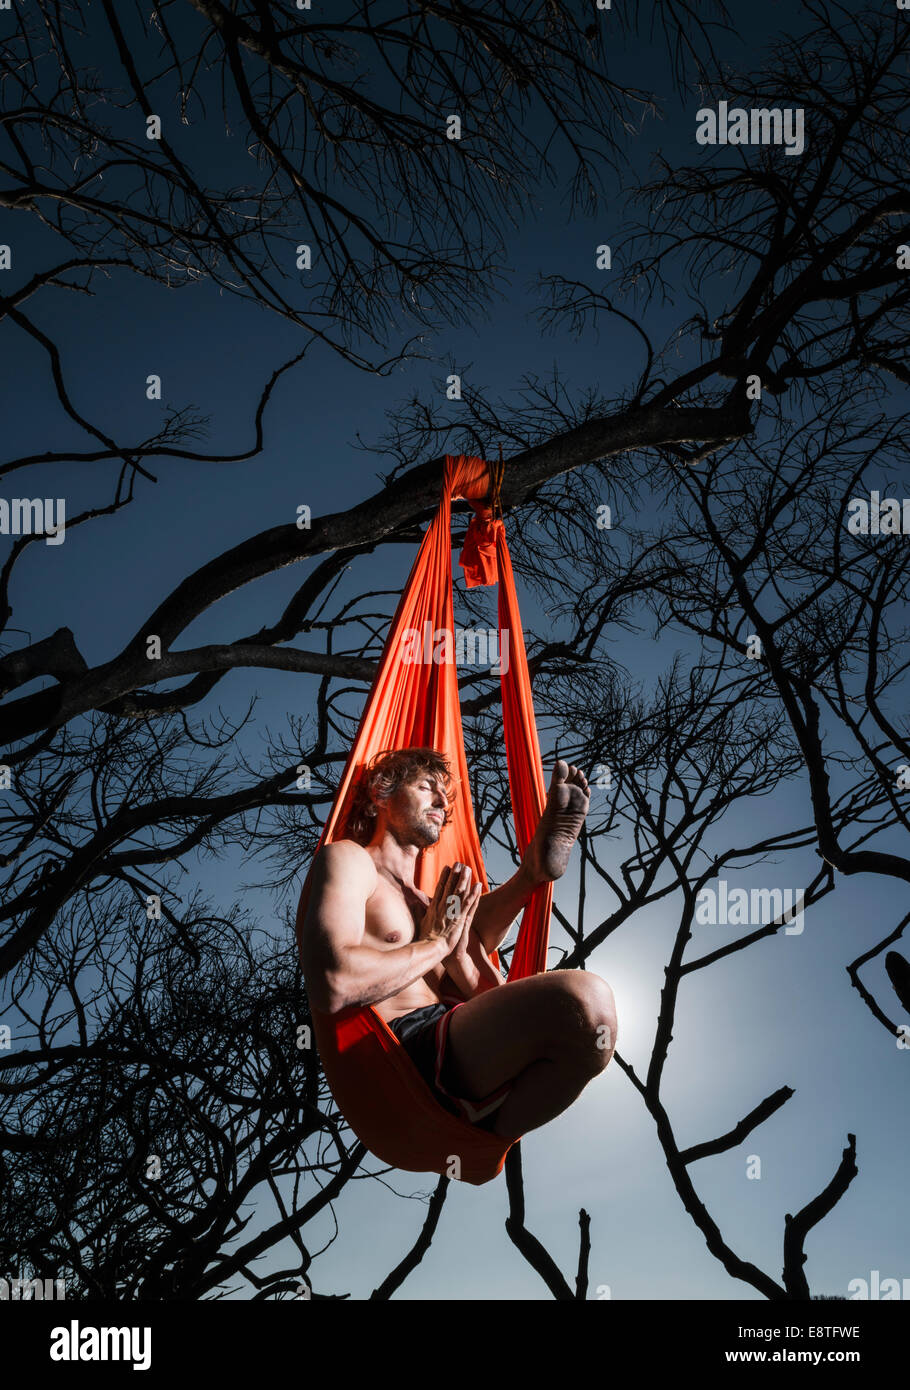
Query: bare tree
{"type": "Point", "coordinates": [157, 1087]}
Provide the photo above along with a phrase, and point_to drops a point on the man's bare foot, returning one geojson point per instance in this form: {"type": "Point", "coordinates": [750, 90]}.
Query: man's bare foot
{"type": "Point", "coordinates": [563, 816]}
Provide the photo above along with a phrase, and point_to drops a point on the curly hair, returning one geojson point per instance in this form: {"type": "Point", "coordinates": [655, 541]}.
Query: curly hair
{"type": "Point", "coordinates": [382, 777]}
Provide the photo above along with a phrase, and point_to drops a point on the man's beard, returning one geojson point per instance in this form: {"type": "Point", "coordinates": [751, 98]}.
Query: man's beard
{"type": "Point", "coordinates": [426, 832]}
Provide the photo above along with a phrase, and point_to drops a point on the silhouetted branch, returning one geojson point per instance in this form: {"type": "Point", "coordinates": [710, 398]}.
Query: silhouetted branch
{"type": "Point", "coordinates": [798, 1227]}
{"type": "Point", "coordinates": [740, 1131]}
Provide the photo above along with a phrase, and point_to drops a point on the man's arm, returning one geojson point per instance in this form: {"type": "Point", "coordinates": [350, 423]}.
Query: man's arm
{"type": "Point", "coordinates": [469, 968]}
{"type": "Point", "coordinates": [338, 967]}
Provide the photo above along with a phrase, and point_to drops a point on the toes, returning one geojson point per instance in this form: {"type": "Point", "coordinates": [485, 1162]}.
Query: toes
{"type": "Point", "coordinates": [570, 774]}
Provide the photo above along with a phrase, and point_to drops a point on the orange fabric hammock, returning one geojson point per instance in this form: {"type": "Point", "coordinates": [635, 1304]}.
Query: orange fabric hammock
{"type": "Point", "coordinates": [415, 705]}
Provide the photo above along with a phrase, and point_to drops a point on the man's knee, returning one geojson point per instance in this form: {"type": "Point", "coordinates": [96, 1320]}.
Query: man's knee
{"type": "Point", "coordinates": [584, 1018]}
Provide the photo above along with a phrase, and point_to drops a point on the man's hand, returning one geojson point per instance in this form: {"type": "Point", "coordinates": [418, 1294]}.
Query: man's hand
{"type": "Point", "coordinates": [466, 962]}
{"type": "Point", "coordinates": [449, 915]}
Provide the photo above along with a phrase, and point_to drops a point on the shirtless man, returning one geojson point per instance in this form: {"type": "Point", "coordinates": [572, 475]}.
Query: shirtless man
{"type": "Point", "coordinates": [506, 1056]}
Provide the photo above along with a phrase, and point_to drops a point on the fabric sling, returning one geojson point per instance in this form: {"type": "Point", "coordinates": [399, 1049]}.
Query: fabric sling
{"type": "Point", "coordinates": [415, 704]}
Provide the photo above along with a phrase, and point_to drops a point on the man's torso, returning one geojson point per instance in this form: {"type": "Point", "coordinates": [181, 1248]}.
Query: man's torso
{"type": "Point", "coordinates": [393, 914]}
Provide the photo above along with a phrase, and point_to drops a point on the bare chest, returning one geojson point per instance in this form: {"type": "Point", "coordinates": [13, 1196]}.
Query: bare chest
{"type": "Point", "coordinates": [392, 915]}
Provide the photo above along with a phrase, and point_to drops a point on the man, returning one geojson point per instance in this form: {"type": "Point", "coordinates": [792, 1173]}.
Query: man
{"type": "Point", "coordinates": [506, 1056]}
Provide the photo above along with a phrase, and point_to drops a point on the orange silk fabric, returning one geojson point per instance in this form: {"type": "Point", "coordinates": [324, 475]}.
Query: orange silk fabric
{"type": "Point", "coordinates": [414, 704]}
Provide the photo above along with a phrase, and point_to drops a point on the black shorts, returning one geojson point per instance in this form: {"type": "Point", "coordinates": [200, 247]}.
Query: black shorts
{"type": "Point", "coordinates": [423, 1034]}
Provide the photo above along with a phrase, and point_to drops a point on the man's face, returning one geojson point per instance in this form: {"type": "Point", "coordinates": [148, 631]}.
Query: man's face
{"type": "Point", "coordinates": [415, 813]}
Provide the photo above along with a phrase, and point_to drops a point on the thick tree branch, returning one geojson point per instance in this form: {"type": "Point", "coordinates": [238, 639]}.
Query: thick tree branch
{"type": "Point", "coordinates": [407, 500]}
{"type": "Point", "coordinates": [798, 1227]}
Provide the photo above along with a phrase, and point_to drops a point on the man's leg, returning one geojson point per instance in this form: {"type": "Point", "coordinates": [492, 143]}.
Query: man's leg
{"type": "Point", "coordinates": [549, 1034]}
{"type": "Point", "coordinates": [544, 860]}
